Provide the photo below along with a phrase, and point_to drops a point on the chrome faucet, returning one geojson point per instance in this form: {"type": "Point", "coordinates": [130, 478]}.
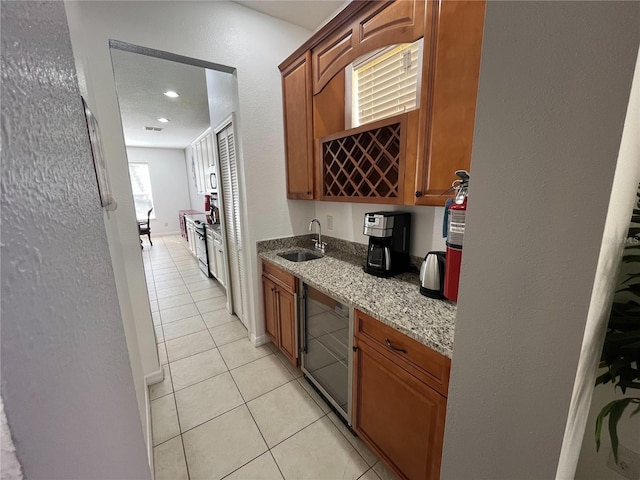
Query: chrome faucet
{"type": "Point", "coordinates": [317, 244]}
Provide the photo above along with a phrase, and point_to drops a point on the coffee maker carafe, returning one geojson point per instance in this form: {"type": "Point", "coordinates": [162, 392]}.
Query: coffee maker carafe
{"type": "Point", "coordinates": [388, 252]}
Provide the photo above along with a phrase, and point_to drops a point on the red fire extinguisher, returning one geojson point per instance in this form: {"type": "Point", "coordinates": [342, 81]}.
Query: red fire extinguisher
{"type": "Point", "coordinates": [455, 236]}
{"type": "Point", "coordinates": [207, 203]}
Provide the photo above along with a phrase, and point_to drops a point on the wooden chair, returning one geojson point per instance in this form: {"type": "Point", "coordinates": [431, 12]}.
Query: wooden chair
{"type": "Point", "coordinates": [144, 228]}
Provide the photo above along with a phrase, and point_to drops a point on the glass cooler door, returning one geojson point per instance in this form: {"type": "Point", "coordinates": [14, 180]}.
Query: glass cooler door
{"type": "Point", "coordinates": [326, 355]}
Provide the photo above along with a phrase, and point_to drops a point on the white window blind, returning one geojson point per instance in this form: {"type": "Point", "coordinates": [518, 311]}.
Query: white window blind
{"type": "Point", "coordinates": [141, 188]}
{"type": "Point", "coordinates": [387, 83]}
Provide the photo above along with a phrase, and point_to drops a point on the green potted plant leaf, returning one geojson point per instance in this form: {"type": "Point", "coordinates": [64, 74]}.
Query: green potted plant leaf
{"type": "Point", "coordinates": [621, 350]}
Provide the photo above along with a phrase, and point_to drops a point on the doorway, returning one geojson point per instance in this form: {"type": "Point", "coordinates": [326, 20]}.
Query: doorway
{"type": "Point", "coordinates": [184, 130]}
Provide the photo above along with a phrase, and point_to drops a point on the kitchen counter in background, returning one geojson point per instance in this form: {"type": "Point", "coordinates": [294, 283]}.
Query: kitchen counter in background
{"type": "Point", "coordinates": [214, 227]}
{"type": "Point", "coordinates": [395, 301]}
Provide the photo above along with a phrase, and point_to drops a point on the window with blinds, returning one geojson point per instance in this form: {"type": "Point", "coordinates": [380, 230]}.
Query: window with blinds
{"type": "Point", "coordinates": [386, 83]}
{"type": "Point", "coordinates": [141, 188]}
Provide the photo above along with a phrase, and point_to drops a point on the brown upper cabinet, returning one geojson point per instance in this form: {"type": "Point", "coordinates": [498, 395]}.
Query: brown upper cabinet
{"type": "Point", "coordinates": [335, 151]}
{"type": "Point", "coordinates": [296, 94]}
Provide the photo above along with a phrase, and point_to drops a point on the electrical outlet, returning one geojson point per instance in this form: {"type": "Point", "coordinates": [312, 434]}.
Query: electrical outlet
{"type": "Point", "coordinates": [628, 463]}
{"type": "Point", "coordinates": [329, 222]}
{"type": "Point", "coordinates": [166, 224]}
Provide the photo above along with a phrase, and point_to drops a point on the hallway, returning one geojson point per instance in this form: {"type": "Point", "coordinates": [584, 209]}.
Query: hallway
{"type": "Point", "coordinates": [225, 408]}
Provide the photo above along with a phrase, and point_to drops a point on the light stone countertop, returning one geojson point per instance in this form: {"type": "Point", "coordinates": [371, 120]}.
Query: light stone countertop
{"type": "Point", "coordinates": [395, 301]}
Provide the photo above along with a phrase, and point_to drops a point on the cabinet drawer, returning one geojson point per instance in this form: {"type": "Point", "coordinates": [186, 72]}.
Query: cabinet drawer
{"type": "Point", "coordinates": [279, 276]}
{"type": "Point", "coordinates": [432, 367]}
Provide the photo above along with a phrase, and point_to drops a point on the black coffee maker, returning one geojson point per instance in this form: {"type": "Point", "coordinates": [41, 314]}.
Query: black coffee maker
{"type": "Point", "coordinates": [389, 234]}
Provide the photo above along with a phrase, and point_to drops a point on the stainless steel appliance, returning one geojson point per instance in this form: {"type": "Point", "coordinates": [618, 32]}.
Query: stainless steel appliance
{"type": "Point", "coordinates": [326, 346]}
{"type": "Point", "coordinates": [389, 234]}
{"type": "Point", "coordinates": [432, 275]}
{"type": "Point", "coordinates": [201, 248]}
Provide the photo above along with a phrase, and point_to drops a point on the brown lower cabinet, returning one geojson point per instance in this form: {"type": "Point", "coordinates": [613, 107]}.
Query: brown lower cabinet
{"type": "Point", "coordinates": [395, 409]}
{"type": "Point", "coordinates": [280, 307]}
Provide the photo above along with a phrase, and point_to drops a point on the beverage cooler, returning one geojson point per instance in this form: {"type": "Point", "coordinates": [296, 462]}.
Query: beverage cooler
{"type": "Point", "coordinates": [327, 345]}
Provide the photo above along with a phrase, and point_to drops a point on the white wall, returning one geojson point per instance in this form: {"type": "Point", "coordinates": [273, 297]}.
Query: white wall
{"type": "Point", "coordinates": [348, 219]}
{"type": "Point", "coordinates": [222, 90]}
{"type": "Point", "coordinates": [67, 380]}
{"type": "Point", "coordinates": [579, 433]}
{"type": "Point", "coordinates": [169, 185]}
{"type": "Point", "coordinates": [224, 33]}
{"type": "Point", "coordinates": [545, 148]}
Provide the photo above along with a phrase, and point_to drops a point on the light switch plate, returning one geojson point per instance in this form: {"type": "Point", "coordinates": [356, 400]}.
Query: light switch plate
{"type": "Point", "coordinates": [329, 222]}
{"type": "Point", "coordinates": [628, 463]}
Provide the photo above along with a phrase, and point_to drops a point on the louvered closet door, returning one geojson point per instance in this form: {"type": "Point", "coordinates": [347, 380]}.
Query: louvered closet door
{"type": "Point", "coordinates": [231, 205]}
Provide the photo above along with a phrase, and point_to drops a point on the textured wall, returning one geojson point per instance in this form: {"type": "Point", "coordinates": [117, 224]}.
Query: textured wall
{"type": "Point", "coordinates": [66, 376]}
{"type": "Point", "coordinates": [554, 87]}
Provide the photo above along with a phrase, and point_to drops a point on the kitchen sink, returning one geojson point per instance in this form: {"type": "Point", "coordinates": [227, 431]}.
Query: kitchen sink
{"type": "Point", "coordinates": [299, 256]}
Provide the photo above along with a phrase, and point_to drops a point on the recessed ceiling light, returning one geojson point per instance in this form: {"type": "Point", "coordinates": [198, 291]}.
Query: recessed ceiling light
{"type": "Point", "coordinates": [171, 94]}
{"type": "Point", "coordinates": [163, 120]}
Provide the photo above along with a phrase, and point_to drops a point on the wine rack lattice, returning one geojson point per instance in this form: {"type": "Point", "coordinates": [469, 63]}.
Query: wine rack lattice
{"type": "Point", "coordinates": [365, 164]}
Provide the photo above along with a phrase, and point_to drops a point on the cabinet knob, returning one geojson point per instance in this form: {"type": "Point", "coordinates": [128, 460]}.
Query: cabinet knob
{"type": "Point", "coordinates": [308, 193]}
{"type": "Point", "coordinates": [418, 194]}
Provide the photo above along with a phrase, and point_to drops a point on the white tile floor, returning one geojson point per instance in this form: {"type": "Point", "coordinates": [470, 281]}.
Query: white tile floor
{"type": "Point", "coordinates": [225, 408]}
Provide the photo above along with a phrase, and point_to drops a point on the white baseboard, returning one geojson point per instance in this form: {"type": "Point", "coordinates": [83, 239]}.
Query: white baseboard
{"type": "Point", "coordinates": [259, 341]}
{"type": "Point", "coordinates": [147, 404]}
{"type": "Point", "coordinates": [154, 377]}
{"type": "Point", "coordinates": [151, 379]}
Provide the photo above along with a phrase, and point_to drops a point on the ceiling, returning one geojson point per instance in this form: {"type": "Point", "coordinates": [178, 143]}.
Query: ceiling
{"type": "Point", "coordinates": [141, 81]}
{"type": "Point", "coordinates": [308, 13]}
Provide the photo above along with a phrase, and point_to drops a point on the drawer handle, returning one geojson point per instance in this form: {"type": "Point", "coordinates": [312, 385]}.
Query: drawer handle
{"type": "Point", "coordinates": [397, 349]}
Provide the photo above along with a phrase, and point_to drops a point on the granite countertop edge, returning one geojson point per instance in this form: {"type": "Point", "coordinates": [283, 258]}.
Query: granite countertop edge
{"type": "Point", "coordinates": [395, 301]}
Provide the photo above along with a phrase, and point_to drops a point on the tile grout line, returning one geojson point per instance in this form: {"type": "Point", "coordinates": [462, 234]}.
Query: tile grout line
{"type": "Point", "coordinates": [184, 452]}
{"type": "Point", "coordinates": [274, 461]}
{"type": "Point", "coordinates": [209, 378]}
{"type": "Point", "coordinates": [217, 375]}
{"type": "Point", "coordinates": [172, 386]}
{"type": "Point", "coordinates": [252, 418]}
{"type": "Point", "coordinates": [282, 360]}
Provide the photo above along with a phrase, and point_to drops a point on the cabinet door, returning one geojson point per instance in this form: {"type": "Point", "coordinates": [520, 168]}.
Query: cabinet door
{"type": "Point", "coordinates": [449, 124]}
{"type": "Point", "coordinates": [270, 309]}
{"type": "Point", "coordinates": [222, 277]}
{"type": "Point", "coordinates": [377, 25]}
{"type": "Point", "coordinates": [211, 256]}
{"type": "Point", "coordinates": [191, 237]}
{"type": "Point", "coordinates": [397, 415]}
{"type": "Point", "coordinates": [287, 307]}
{"type": "Point", "coordinates": [298, 128]}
